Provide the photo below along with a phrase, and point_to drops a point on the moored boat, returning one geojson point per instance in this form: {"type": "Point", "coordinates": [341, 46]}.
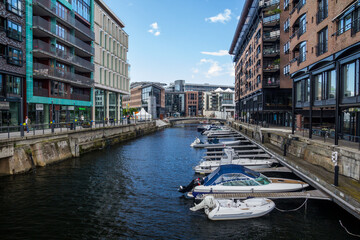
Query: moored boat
{"type": "Point", "coordinates": [226, 209]}
{"type": "Point", "coordinates": [212, 143]}
{"type": "Point", "coordinates": [233, 178]}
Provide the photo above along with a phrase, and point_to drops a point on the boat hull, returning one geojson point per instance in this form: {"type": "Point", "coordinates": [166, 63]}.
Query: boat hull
{"type": "Point", "coordinates": [203, 145]}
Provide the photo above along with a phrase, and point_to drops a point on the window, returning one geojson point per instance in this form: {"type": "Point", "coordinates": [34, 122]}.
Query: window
{"type": "Point", "coordinates": [331, 84]}
{"type": "Point", "coordinates": [15, 56]}
{"type": "Point", "coordinates": [299, 91]}
{"type": "Point", "coordinates": [322, 42]}
{"type": "Point", "coordinates": [302, 52]}
{"type": "Point", "coordinates": [61, 30]}
{"type": "Point", "coordinates": [302, 25]}
{"type": "Point", "coordinates": [323, 11]}
{"type": "Point", "coordinates": [58, 89]}
{"type": "Point", "coordinates": [286, 4]}
{"type": "Point", "coordinates": [100, 76]}
{"type": "Point", "coordinates": [287, 70]}
{"type": "Point", "coordinates": [287, 25]}
{"type": "Point", "coordinates": [14, 30]}
{"type": "Point", "coordinates": [303, 90]}
{"type": "Point", "coordinates": [13, 85]}
{"type": "Point", "coordinates": [101, 40]}
{"type": "Point", "coordinates": [318, 86]}
{"type": "Point", "coordinates": [345, 21]}
{"type": "Point", "coordinates": [62, 11]}
{"type": "Point", "coordinates": [287, 47]}
{"type": "Point", "coordinates": [348, 79]}
{"type": "Point", "coordinates": [14, 6]}
{"type": "Point", "coordinates": [82, 7]}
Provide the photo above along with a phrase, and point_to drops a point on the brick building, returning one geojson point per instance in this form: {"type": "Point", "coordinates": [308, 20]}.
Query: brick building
{"type": "Point", "coordinates": [12, 66]}
{"type": "Point", "coordinates": [262, 81]}
{"type": "Point", "coordinates": [325, 63]}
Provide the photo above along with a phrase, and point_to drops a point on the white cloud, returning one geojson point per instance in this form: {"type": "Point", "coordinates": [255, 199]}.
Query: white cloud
{"type": "Point", "coordinates": [214, 70]}
{"type": "Point", "coordinates": [195, 70]}
{"type": "Point", "coordinates": [154, 29]}
{"type": "Point", "coordinates": [221, 17]}
{"type": "Point", "coordinates": [218, 53]}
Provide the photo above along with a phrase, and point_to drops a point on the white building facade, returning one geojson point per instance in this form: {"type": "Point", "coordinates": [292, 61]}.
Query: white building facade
{"type": "Point", "coordinates": [219, 103]}
{"type": "Point", "coordinates": [111, 75]}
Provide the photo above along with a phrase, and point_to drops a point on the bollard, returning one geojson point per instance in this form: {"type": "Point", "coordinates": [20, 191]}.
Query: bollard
{"type": "Point", "coordinates": [21, 130]}
{"type": "Point", "coordinates": [262, 139]}
{"type": "Point", "coordinates": [284, 149]}
{"type": "Point", "coordinates": [52, 128]}
{"type": "Point", "coordinates": [336, 176]}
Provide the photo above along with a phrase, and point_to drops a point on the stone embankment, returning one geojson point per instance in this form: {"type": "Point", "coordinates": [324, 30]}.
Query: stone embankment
{"type": "Point", "coordinates": [19, 155]}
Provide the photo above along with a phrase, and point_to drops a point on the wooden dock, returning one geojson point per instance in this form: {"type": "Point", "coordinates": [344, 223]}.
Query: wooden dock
{"type": "Point", "coordinates": [311, 194]}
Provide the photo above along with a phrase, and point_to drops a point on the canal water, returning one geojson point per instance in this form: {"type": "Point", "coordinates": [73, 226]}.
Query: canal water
{"type": "Point", "coordinates": [129, 191]}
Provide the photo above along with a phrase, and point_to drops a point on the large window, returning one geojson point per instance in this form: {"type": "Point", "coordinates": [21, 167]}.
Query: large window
{"type": "Point", "coordinates": [61, 30]}
{"type": "Point", "coordinates": [82, 7]}
{"type": "Point", "coordinates": [302, 52]}
{"type": "Point", "coordinates": [322, 46]}
{"type": "Point", "coordinates": [348, 79]}
{"type": "Point", "coordinates": [318, 86]}
{"type": "Point", "coordinates": [15, 56]}
{"type": "Point", "coordinates": [13, 85]}
{"type": "Point", "coordinates": [303, 90]}
{"type": "Point", "coordinates": [14, 6]}
{"type": "Point", "coordinates": [57, 89]}
{"type": "Point", "coordinates": [302, 25]}
{"type": "Point", "coordinates": [331, 84]}
{"type": "Point", "coordinates": [14, 30]}
{"type": "Point", "coordinates": [62, 11]}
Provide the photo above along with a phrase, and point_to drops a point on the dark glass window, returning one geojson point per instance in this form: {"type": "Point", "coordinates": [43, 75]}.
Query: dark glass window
{"type": "Point", "coordinates": [57, 89]}
{"type": "Point", "coordinates": [322, 46]}
{"type": "Point", "coordinates": [13, 85]}
{"type": "Point", "coordinates": [14, 6]}
{"type": "Point", "coordinates": [62, 11]}
{"type": "Point", "coordinates": [15, 56]}
{"type": "Point", "coordinates": [318, 86]}
{"type": "Point", "coordinates": [82, 7]}
{"type": "Point", "coordinates": [348, 79]}
{"type": "Point", "coordinates": [14, 30]}
{"type": "Point", "coordinates": [1, 85]}
{"type": "Point", "coordinates": [302, 52]}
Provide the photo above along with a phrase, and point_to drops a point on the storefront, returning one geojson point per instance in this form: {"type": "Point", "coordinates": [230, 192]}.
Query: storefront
{"type": "Point", "coordinates": [100, 105]}
{"type": "Point", "coordinates": [113, 106]}
{"type": "Point", "coordinates": [10, 113]}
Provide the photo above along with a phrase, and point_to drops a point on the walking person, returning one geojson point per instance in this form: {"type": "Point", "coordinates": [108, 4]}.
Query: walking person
{"type": "Point", "coordinates": [27, 123]}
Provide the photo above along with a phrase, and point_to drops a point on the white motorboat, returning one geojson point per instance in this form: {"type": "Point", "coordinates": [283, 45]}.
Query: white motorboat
{"type": "Point", "coordinates": [226, 209]}
{"type": "Point", "coordinates": [217, 130]}
{"type": "Point", "coordinates": [212, 143]}
{"type": "Point", "coordinates": [230, 157]}
{"type": "Point", "coordinates": [233, 178]}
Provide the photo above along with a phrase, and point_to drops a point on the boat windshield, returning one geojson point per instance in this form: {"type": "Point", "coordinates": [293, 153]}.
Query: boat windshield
{"type": "Point", "coordinates": [262, 180]}
{"type": "Point", "coordinates": [234, 179]}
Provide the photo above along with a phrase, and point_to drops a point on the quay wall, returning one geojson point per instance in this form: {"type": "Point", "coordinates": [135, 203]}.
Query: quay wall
{"type": "Point", "coordinates": [20, 155]}
{"type": "Point", "coordinates": [312, 151]}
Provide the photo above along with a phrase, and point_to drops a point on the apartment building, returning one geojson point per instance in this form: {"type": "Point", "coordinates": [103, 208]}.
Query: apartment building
{"type": "Point", "coordinates": [325, 63]}
{"type": "Point", "coordinates": [12, 67]}
{"type": "Point", "coordinates": [219, 103]}
{"type": "Point", "coordinates": [147, 95]}
{"type": "Point", "coordinates": [111, 80]}
{"type": "Point", "coordinates": [59, 53]}
{"type": "Point", "coordinates": [262, 81]}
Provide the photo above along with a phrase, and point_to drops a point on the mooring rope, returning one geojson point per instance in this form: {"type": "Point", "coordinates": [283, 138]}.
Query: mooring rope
{"type": "Point", "coordinates": [348, 231]}
{"type": "Point", "coordinates": [292, 210]}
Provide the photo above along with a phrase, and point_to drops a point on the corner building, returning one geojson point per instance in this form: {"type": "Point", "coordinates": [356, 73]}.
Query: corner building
{"type": "Point", "coordinates": [325, 66]}
{"type": "Point", "coordinates": [12, 66]}
{"type": "Point", "coordinates": [262, 81]}
{"type": "Point", "coordinates": [111, 65]}
{"type": "Point", "coordinates": [59, 60]}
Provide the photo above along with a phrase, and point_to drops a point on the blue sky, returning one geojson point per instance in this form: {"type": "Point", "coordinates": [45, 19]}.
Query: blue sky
{"type": "Point", "coordinates": [179, 39]}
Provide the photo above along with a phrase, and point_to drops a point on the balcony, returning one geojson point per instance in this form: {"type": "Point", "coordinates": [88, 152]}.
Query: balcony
{"type": "Point", "coordinates": [67, 18]}
{"type": "Point", "coordinates": [80, 97]}
{"type": "Point", "coordinates": [321, 48]}
{"type": "Point", "coordinates": [298, 6]}
{"type": "Point", "coordinates": [301, 58]}
{"type": "Point", "coordinates": [269, 4]}
{"type": "Point", "coordinates": [65, 56]}
{"type": "Point", "coordinates": [39, 22]}
{"type": "Point", "coordinates": [271, 36]}
{"type": "Point", "coordinates": [45, 71]}
{"type": "Point", "coordinates": [41, 92]}
{"type": "Point", "coordinates": [15, 61]}
{"type": "Point", "coordinates": [355, 26]}
{"type": "Point", "coordinates": [321, 15]}
{"type": "Point", "coordinates": [271, 82]}
{"type": "Point", "coordinates": [271, 67]}
{"type": "Point", "coordinates": [301, 31]}
{"type": "Point", "coordinates": [272, 20]}
{"type": "Point", "coordinates": [271, 52]}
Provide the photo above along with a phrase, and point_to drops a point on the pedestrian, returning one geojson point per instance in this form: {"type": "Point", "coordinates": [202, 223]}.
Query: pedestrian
{"type": "Point", "coordinates": [27, 123]}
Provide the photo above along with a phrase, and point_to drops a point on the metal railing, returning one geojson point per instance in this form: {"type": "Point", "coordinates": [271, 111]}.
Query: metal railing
{"type": "Point", "coordinates": [272, 18]}
{"type": "Point", "coordinates": [46, 70]}
{"type": "Point", "coordinates": [321, 15]}
{"type": "Point", "coordinates": [271, 51]}
{"type": "Point", "coordinates": [48, 26]}
{"type": "Point", "coordinates": [67, 56]}
{"type": "Point", "coordinates": [41, 92]}
{"type": "Point", "coordinates": [23, 130]}
{"type": "Point", "coordinates": [67, 17]}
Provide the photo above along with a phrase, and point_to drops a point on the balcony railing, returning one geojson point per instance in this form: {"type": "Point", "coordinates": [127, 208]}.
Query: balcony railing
{"type": "Point", "coordinates": [301, 58]}
{"type": "Point", "coordinates": [46, 70]}
{"type": "Point", "coordinates": [355, 27]}
{"type": "Point", "coordinates": [272, 18]}
{"type": "Point", "coordinates": [321, 15]}
{"type": "Point", "coordinates": [67, 17]}
{"type": "Point", "coordinates": [67, 56]}
{"type": "Point", "coordinates": [271, 67]}
{"type": "Point", "coordinates": [321, 48]}
{"type": "Point", "coordinates": [271, 82]}
{"type": "Point", "coordinates": [41, 92]}
{"type": "Point", "coordinates": [269, 3]}
{"type": "Point", "coordinates": [271, 51]}
{"type": "Point", "coordinates": [80, 97]}
{"type": "Point", "coordinates": [272, 37]}
{"type": "Point", "coordinates": [301, 31]}
{"type": "Point", "coordinates": [41, 22]}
